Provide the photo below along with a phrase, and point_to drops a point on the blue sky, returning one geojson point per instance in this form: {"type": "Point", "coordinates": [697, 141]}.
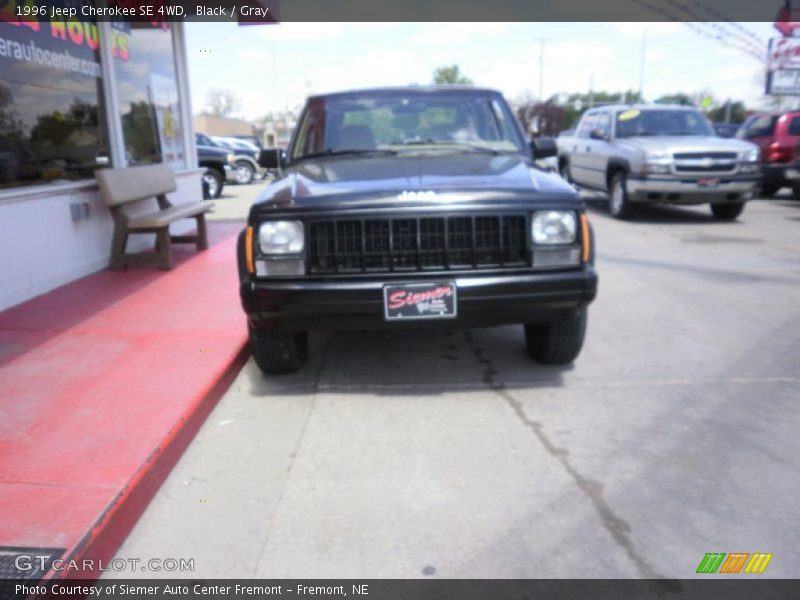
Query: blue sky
{"type": "Point", "coordinates": [273, 67]}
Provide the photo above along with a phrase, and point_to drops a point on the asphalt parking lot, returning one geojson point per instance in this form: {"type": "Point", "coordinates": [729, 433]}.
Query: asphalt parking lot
{"type": "Point", "coordinates": [452, 455]}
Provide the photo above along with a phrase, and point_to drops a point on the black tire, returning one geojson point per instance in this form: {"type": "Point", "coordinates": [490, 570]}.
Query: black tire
{"type": "Point", "coordinates": [279, 352]}
{"type": "Point", "coordinates": [727, 212]}
{"type": "Point", "coordinates": [245, 172]}
{"type": "Point", "coordinates": [619, 204]}
{"type": "Point", "coordinates": [769, 190]}
{"type": "Point", "coordinates": [557, 342]}
{"type": "Point", "coordinates": [215, 181]}
{"type": "Point", "coordinates": [563, 170]}
{"type": "Point", "coordinates": [796, 190]}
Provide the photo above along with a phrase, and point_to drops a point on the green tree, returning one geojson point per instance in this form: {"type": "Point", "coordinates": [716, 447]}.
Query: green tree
{"type": "Point", "coordinates": [735, 114]}
{"type": "Point", "coordinates": [679, 98]}
{"type": "Point", "coordinates": [450, 75]}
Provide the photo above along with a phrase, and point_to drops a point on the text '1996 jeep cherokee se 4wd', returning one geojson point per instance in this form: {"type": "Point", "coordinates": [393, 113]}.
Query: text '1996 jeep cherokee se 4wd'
{"type": "Point", "coordinates": [414, 208]}
{"type": "Point", "coordinates": [659, 154]}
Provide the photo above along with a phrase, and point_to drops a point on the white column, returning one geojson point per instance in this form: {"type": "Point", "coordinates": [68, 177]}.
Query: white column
{"type": "Point", "coordinates": [113, 116]}
{"type": "Point", "coordinates": [185, 100]}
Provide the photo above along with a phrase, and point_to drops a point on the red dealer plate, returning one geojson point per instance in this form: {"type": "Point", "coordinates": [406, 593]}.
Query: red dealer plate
{"type": "Point", "coordinates": [708, 182]}
{"type": "Point", "coordinates": [406, 301]}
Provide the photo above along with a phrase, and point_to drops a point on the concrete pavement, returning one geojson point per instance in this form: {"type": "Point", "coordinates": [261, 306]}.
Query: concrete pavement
{"type": "Point", "coordinates": [453, 455]}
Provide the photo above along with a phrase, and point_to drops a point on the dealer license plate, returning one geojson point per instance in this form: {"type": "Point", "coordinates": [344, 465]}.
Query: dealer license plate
{"type": "Point", "coordinates": [708, 182]}
{"type": "Point", "coordinates": [407, 301]}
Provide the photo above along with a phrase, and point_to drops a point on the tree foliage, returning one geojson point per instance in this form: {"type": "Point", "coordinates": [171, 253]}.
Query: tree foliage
{"type": "Point", "coordinates": [222, 103]}
{"type": "Point", "coordinates": [450, 75]}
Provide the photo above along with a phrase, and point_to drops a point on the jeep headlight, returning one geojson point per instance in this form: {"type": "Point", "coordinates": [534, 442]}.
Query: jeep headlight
{"type": "Point", "coordinates": [553, 227]}
{"type": "Point", "coordinates": [281, 237]}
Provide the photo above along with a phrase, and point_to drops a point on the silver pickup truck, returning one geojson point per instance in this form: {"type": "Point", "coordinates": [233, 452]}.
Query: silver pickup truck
{"type": "Point", "coordinates": [659, 154]}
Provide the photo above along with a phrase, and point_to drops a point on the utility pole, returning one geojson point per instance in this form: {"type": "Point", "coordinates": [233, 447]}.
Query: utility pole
{"type": "Point", "coordinates": [641, 64]}
{"type": "Point", "coordinates": [542, 42]}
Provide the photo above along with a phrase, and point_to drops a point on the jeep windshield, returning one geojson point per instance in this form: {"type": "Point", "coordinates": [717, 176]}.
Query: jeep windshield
{"type": "Point", "coordinates": [652, 122]}
{"type": "Point", "coordinates": [387, 122]}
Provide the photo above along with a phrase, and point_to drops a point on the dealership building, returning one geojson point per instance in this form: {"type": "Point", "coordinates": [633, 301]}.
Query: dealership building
{"type": "Point", "coordinates": [78, 94]}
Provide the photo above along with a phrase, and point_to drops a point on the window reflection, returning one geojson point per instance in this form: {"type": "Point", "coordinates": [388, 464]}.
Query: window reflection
{"type": "Point", "coordinates": [51, 122]}
{"type": "Point", "coordinates": [148, 97]}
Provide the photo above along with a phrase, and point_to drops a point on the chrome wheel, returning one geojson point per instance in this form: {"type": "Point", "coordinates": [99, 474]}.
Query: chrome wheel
{"type": "Point", "coordinates": [244, 173]}
{"type": "Point", "coordinates": [213, 184]}
{"type": "Point", "coordinates": [617, 198]}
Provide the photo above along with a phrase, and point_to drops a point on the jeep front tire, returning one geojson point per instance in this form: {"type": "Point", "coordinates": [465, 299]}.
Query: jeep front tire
{"type": "Point", "coordinates": [279, 352]}
{"type": "Point", "coordinates": [558, 342]}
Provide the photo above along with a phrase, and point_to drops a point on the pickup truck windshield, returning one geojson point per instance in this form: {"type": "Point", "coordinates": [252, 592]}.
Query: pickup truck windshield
{"type": "Point", "coordinates": [372, 124]}
{"type": "Point", "coordinates": [633, 123]}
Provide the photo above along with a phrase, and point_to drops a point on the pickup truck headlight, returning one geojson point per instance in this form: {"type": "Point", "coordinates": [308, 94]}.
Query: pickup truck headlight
{"type": "Point", "coordinates": [753, 155]}
{"type": "Point", "coordinates": [554, 227]}
{"type": "Point", "coordinates": [231, 158]}
{"type": "Point", "coordinates": [281, 237]}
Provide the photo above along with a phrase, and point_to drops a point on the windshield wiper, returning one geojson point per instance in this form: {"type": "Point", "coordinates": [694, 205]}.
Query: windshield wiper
{"type": "Point", "coordinates": [450, 144]}
{"type": "Point", "coordinates": [347, 152]}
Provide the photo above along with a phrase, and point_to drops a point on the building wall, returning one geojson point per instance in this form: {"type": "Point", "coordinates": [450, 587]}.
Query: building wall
{"type": "Point", "coordinates": [211, 125]}
{"type": "Point", "coordinates": [41, 247]}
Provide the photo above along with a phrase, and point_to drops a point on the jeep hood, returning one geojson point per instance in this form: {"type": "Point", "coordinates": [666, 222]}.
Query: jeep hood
{"type": "Point", "coordinates": [370, 180]}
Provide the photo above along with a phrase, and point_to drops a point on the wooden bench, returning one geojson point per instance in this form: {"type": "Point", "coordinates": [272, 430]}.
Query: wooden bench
{"type": "Point", "coordinates": [120, 187]}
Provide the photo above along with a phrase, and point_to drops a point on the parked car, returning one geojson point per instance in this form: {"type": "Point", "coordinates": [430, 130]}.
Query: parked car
{"type": "Point", "coordinates": [246, 158]}
{"type": "Point", "coordinates": [414, 207]}
{"type": "Point", "coordinates": [245, 165]}
{"type": "Point", "coordinates": [777, 135]}
{"type": "Point", "coordinates": [659, 154]}
{"type": "Point", "coordinates": [250, 139]}
{"type": "Point", "coordinates": [219, 167]}
{"type": "Point", "coordinates": [726, 130]}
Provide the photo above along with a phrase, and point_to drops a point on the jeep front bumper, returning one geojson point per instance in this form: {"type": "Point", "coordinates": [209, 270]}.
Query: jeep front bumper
{"type": "Point", "coordinates": [483, 300]}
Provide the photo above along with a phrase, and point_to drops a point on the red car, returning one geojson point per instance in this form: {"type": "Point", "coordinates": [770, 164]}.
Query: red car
{"type": "Point", "coordinates": [777, 135]}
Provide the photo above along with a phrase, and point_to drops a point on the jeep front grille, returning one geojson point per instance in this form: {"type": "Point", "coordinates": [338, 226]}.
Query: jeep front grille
{"type": "Point", "coordinates": [417, 243]}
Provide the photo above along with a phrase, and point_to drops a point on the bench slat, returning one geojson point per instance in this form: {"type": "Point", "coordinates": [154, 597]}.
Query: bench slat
{"type": "Point", "coordinates": [120, 186]}
{"type": "Point", "coordinates": [165, 217]}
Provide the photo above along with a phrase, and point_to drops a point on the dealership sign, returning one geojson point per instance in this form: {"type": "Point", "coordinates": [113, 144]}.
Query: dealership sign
{"type": "Point", "coordinates": [783, 66]}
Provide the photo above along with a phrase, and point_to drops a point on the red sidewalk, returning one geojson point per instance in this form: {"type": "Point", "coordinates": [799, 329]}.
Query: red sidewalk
{"type": "Point", "coordinates": [103, 383]}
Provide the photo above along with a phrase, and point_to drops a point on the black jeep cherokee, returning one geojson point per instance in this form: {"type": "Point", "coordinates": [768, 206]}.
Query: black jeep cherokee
{"type": "Point", "coordinates": [414, 207]}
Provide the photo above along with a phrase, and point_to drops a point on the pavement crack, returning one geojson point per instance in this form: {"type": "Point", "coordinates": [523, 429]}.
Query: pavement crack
{"type": "Point", "coordinates": [617, 527]}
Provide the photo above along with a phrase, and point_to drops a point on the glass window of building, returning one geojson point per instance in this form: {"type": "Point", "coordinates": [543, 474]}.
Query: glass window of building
{"type": "Point", "coordinates": [147, 91]}
{"type": "Point", "coordinates": [52, 120]}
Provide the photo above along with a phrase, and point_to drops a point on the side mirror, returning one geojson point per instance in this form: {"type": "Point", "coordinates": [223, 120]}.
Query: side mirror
{"type": "Point", "coordinates": [543, 147]}
{"type": "Point", "coordinates": [271, 158]}
{"type": "Point", "coordinates": [598, 134]}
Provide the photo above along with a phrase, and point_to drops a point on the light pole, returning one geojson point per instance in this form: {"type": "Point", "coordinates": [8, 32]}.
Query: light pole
{"type": "Point", "coordinates": [641, 64]}
{"type": "Point", "coordinates": [542, 42]}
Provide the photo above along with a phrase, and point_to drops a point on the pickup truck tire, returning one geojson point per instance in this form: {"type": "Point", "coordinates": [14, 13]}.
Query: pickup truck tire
{"type": "Point", "coordinates": [727, 212]}
{"type": "Point", "coordinates": [796, 190]}
{"type": "Point", "coordinates": [768, 191]}
{"type": "Point", "coordinates": [557, 342]}
{"type": "Point", "coordinates": [278, 352]}
{"type": "Point", "coordinates": [215, 181]}
{"type": "Point", "coordinates": [245, 172]}
{"type": "Point", "coordinates": [619, 205]}
{"type": "Point", "coordinates": [563, 170]}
